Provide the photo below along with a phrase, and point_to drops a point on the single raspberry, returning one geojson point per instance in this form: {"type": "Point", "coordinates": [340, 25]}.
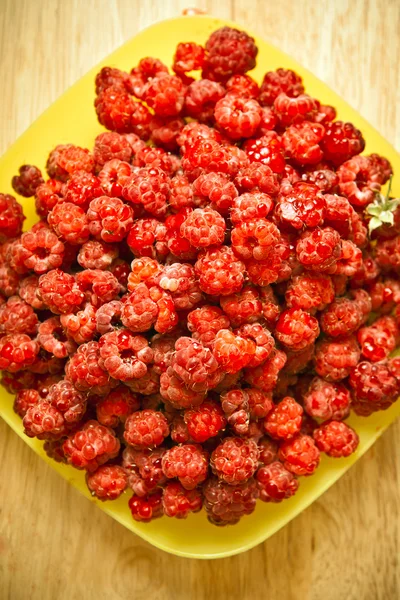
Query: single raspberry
{"type": "Point", "coordinates": [110, 145]}
{"type": "Point", "coordinates": [310, 292]}
{"type": "Point", "coordinates": [384, 295]}
{"type": "Point", "coordinates": [188, 463]}
{"type": "Point", "coordinates": [284, 420]}
{"type": "Point", "coordinates": [47, 195]}
{"type": "Point", "coordinates": [205, 322]}
{"type": "Point", "coordinates": [91, 446]}
{"type": "Point", "coordinates": [163, 347]}
{"type": "Point", "coordinates": [117, 111]}
{"type": "Point", "coordinates": [243, 307]}
{"type": "Point", "coordinates": [215, 188]}
{"type": "Point", "coordinates": [67, 400]}
{"type": "Point", "coordinates": [99, 286]}
{"type": "Point", "coordinates": [147, 237]}
{"type": "Point", "coordinates": [381, 168]}
{"type": "Point", "coordinates": [165, 131]}
{"type": "Point", "coordinates": [188, 57]}
{"type": "Point", "coordinates": [120, 269]}
{"type": "Point", "coordinates": [324, 400]}
{"type": "Point", "coordinates": [146, 429]}
{"type": "Point", "coordinates": [319, 249]}
{"type": "Point", "coordinates": [260, 403]}
{"type": "Point", "coordinates": [387, 254]}
{"type": "Point", "coordinates": [243, 86]}
{"type": "Point", "coordinates": [235, 404]}
{"type": "Point", "coordinates": [237, 117]}
{"type": "Point", "coordinates": [201, 98]}
{"type": "Point", "coordinates": [144, 270]}
{"type": "Point", "coordinates": [85, 372]}
{"type": "Point", "coordinates": [265, 376]}
{"type": "Point", "coordinates": [278, 82]}
{"type": "Point", "coordinates": [113, 176]}
{"type": "Point", "coordinates": [97, 255]}
{"type": "Point", "coordinates": [254, 239]}
{"type": "Point", "coordinates": [24, 399]}
{"type": "Point", "coordinates": [108, 482]}
{"type": "Point", "coordinates": [39, 251]}
{"type": "Point", "coordinates": [54, 450]}
{"type": "Point", "coordinates": [257, 178]}
{"type": "Point", "coordinates": [335, 359]}
{"type": "Point", "coordinates": [369, 271]}
{"type": "Point", "coordinates": [181, 193]}
{"type": "Point", "coordinates": [341, 141]}
{"type": "Point", "coordinates": [219, 271]}
{"type": "Point", "coordinates": [250, 206]}
{"type": "Point", "coordinates": [178, 502]}
{"type": "Point", "coordinates": [117, 406]}
{"type": "Point", "coordinates": [43, 421]}
{"type": "Point", "coordinates": [300, 455]}
{"type": "Point", "coordinates": [144, 469]}
{"type": "Point", "coordinates": [350, 261]}
{"type": "Point", "coordinates": [325, 179]}
{"type": "Point", "coordinates": [325, 114]}
{"type": "Point", "coordinates": [266, 150]}
{"type": "Point", "coordinates": [293, 111]}
{"type": "Point", "coordinates": [358, 181]}
{"type": "Point", "coordinates": [296, 329]}
{"type": "Point", "coordinates": [146, 508]}
{"type": "Point", "coordinates": [174, 389]}
{"type": "Point", "coordinates": [229, 52]}
{"type": "Point", "coordinates": [205, 421]}
{"type": "Point", "coordinates": [261, 337]}
{"type": "Point", "coordinates": [268, 450]}
{"type": "Point", "coordinates": [226, 504]}
{"type": "Point", "coordinates": [195, 131]}
{"type": "Point", "coordinates": [341, 318]}
{"type": "Point", "coordinates": [336, 439]}
{"type": "Point", "coordinates": [67, 159]}
{"type": "Point", "coordinates": [148, 187]}
{"type": "Point", "coordinates": [145, 308]}
{"type": "Point", "coordinates": [374, 386]}
{"type": "Point", "coordinates": [235, 460]}
{"type": "Point", "coordinates": [16, 316]}
{"type": "Point", "coordinates": [379, 339]}
{"type": "Point", "coordinates": [60, 292]}
{"type": "Point", "coordinates": [123, 355]}
{"type": "Point", "coordinates": [179, 279]}
{"type": "Point", "coordinates": [233, 352]}
{"type": "Point", "coordinates": [275, 483]}
{"type": "Point", "coordinates": [155, 157]}
{"type": "Point", "coordinates": [303, 207]}
{"type": "Point", "coordinates": [69, 222]}
{"type": "Point", "coordinates": [165, 95]}
{"type": "Point", "coordinates": [81, 189]}
{"type": "Point", "coordinates": [195, 365]}
{"type": "Point", "coordinates": [109, 219]}
{"type": "Point", "coordinates": [301, 142]}
{"type": "Point", "coordinates": [28, 180]}
{"type": "Point", "coordinates": [52, 338]}
{"type": "Point", "coordinates": [147, 69]}
{"type": "Point", "coordinates": [209, 156]}
{"type": "Point", "coordinates": [17, 351]}
{"type": "Point", "coordinates": [203, 227]}
{"type": "Point", "coordinates": [110, 76]}
{"type": "Point", "coordinates": [176, 243]}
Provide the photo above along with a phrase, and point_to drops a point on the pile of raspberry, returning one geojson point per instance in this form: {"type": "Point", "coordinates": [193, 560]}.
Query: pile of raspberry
{"type": "Point", "coordinates": [200, 305]}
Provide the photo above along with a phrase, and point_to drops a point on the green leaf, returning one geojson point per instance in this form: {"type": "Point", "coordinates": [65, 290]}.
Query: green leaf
{"type": "Point", "coordinates": [374, 223]}
{"type": "Point", "coordinates": [387, 216]}
{"type": "Point", "coordinates": [374, 209]}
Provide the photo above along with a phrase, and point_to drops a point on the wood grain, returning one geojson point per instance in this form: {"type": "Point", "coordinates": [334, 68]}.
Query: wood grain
{"type": "Point", "coordinates": [55, 544]}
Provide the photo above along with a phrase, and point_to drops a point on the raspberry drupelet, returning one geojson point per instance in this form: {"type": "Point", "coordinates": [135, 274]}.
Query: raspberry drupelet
{"type": "Point", "coordinates": [108, 482]}
{"type": "Point", "coordinates": [336, 439]}
{"type": "Point", "coordinates": [91, 446]}
{"type": "Point", "coordinates": [235, 460]}
{"type": "Point", "coordinates": [146, 429]}
{"type": "Point", "coordinates": [226, 504]}
{"type": "Point", "coordinates": [188, 463]}
{"type": "Point", "coordinates": [178, 502]}
{"type": "Point", "coordinates": [275, 483]}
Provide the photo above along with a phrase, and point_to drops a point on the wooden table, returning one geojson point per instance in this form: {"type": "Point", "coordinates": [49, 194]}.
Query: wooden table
{"type": "Point", "coordinates": [55, 544]}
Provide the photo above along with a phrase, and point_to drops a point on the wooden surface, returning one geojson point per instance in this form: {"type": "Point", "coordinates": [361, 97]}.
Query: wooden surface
{"type": "Point", "coordinates": [55, 544]}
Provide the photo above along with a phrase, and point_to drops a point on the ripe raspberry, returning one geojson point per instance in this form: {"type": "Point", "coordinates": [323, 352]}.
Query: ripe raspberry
{"type": "Point", "coordinates": [145, 308]}
{"type": "Point", "coordinates": [146, 429]}
{"type": "Point", "coordinates": [233, 352]}
{"type": "Point", "coordinates": [250, 206]}
{"type": "Point", "coordinates": [368, 273]}
{"type": "Point", "coordinates": [9, 281]}
{"type": "Point", "coordinates": [205, 322]}
{"type": "Point", "coordinates": [24, 399]}
{"type": "Point", "coordinates": [66, 159]}
{"type": "Point", "coordinates": [303, 207]}
{"type": "Point", "coordinates": [341, 141]}
{"type": "Point", "coordinates": [208, 156]}
{"type": "Point", "coordinates": [378, 340]}
{"type": "Point", "coordinates": [110, 145]}
{"type": "Point", "coordinates": [266, 150]}
{"type": "Point", "coordinates": [85, 372]}
{"type": "Point", "coordinates": [52, 338]}
{"type": "Point", "coordinates": [195, 131]}
{"type": "Point", "coordinates": [121, 269]}
{"type": "Point", "coordinates": [115, 408]}
{"type": "Point", "coordinates": [54, 450]}
{"type": "Point", "coordinates": [235, 460]}
{"type": "Point", "coordinates": [275, 483]}
{"type": "Point", "coordinates": [243, 307]}
{"type": "Point", "coordinates": [179, 431]}
{"type": "Point", "coordinates": [293, 111]}
{"type": "Point", "coordinates": [109, 219]}
{"type": "Point", "coordinates": [28, 180]}
{"type": "Point", "coordinates": [144, 469]}
{"type": "Point", "coordinates": [261, 337]}
{"type": "Point", "coordinates": [219, 271]}
{"type": "Point", "coordinates": [260, 403]}
{"type": "Point", "coordinates": [16, 382]}
{"type": "Point", "coordinates": [110, 76]}
{"type": "Point", "coordinates": [188, 57]}
{"type": "Point", "coordinates": [108, 482]}
{"type": "Point", "coordinates": [124, 355]}
{"type": "Point", "coordinates": [39, 251]}
{"type": "Point", "coordinates": [60, 292]}
{"type": "Point", "coordinates": [97, 255]}
{"type": "Point", "coordinates": [265, 376]}
{"type": "Point", "coordinates": [326, 113]}
{"type": "Point", "coordinates": [358, 181]}
{"type": "Point", "coordinates": [278, 82]}
{"type": "Point", "coordinates": [47, 195]}
{"type": "Point", "coordinates": [387, 254]}
{"type": "Point", "coordinates": [203, 227]}
{"type": "Point", "coordinates": [156, 158]}
{"type": "Point", "coordinates": [319, 249]}
{"type": "Point", "coordinates": [301, 142]}
{"type": "Point", "coordinates": [17, 351]}
{"type": "Point", "coordinates": [99, 286]}
{"type": "Point", "coordinates": [336, 439]}
{"type": "Point", "coordinates": [16, 316]}
{"type": "Point", "coordinates": [195, 365]}
{"type": "Point", "coordinates": [384, 295]}
{"type": "Point", "coordinates": [113, 176]}
{"type": "Point", "coordinates": [43, 421]}
{"type": "Point", "coordinates": [201, 98]}
{"type": "Point", "coordinates": [257, 178]}
{"type": "Point", "coordinates": [325, 179]}
{"type": "Point", "coordinates": [237, 117]}
{"type": "Point", "coordinates": [341, 318]}
{"type": "Point", "coordinates": [173, 389]}
{"type": "Point", "coordinates": [310, 292]}
{"type": "Point", "coordinates": [163, 347]}
{"type": "Point", "coordinates": [165, 95]}
{"type": "Point", "coordinates": [235, 404]}
{"type": "Point", "coordinates": [117, 111]}
{"type": "Point", "coordinates": [374, 386]}
{"type": "Point", "coordinates": [300, 455]}
{"type": "Point", "coordinates": [254, 239]}
{"type": "Point", "coordinates": [215, 188]}
{"type": "Point", "coordinates": [178, 502]}
{"type": "Point", "coordinates": [243, 86]}
{"type": "Point", "coordinates": [381, 168]}
{"type": "Point", "coordinates": [81, 189]}
{"type": "Point", "coordinates": [91, 446]}
{"type": "Point", "coordinates": [229, 52]}
{"type": "Point", "coordinates": [335, 359]}
{"type": "Point", "coordinates": [144, 270]}
{"type": "Point", "coordinates": [324, 400]}
{"type": "Point", "coordinates": [181, 193]}
{"type": "Point", "coordinates": [226, 504]}
{"type": "Point", "coordinates": [284, 420]}
{"type": "Point", "coordinates": [205, 422]}
{"type": "Point", "coordinates": [69, 222]}
{"type": "Point", "coordinates": [180, 281]}
{"type": "Point", "coordinates": [147, 69]}
{"type": "Point", "coordinates": [147, 508]}
{"type": "Point", "coordinates": [296, 329]}
{"type": "Point", "coordinates": [148, 187]}
{"type": "Point", "coordinates": [176, 243]}
{"type": "Point", "coordinates": [187, 462]}
{"type": "Point", "coordinates": [165, 131]}
{"type": "Point", "coordinates": [67, 400]}
{"type": "Point", "coordinates": [268, 450]}
{"type": "Point", "coordinates": [350, 261]}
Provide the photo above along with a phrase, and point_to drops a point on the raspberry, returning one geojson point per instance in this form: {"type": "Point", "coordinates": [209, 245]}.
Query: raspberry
{"type": "Point", "coordinates": [123, 355]}
{"type": "Point", "coordinates": [181, 193]}
{"type": "Point", "coordinates": [67, 400]}
{"type": "Point", "coordinates": [28, 180]}
{"type": "Point", "coordinates": [147, 69]}
{"type": "Point", "coordinates": [384, 295]}
{"type": "Point", "coordinates": [301, 142]}
{"type": "Point", "coordinates": [284, 420]}
{"type": "Point", "coordinates": [203, 227]}
{"type": "Point", "coordinates": [163, 347]}
{"type": "Point", "coordinates": [47, 195]}
{"type": "Point", "coordinates": [368, 273]}
{"type": "Point", "coordinates": [310, 292]}
{"type": "Point", "coordinates": [341, 318]}
{"type": "Point", "coordinates": [188, 463]}
{"type": "Point", "coordinates": [16, 382]}
{"type": "Point", "coordinates": [319, 249]}
{"type": "Point", "coordinates": [296, 329]}
{"type": "Point", "coordinates": [201, 98]}
{"type": "Point", "coordinates": [110, 145]}
{"type": "Point", "coordinates": [69, 222]}
{"type": "Point", "coordinates": [243, 86]}
{"type": "Point", "coordinates": [96, 255]}
{"type": "Point", "coordinates": [52, 338]}
{"type": "Point", "coordinates": [17, 351]}
{"type": "Point", "coordinates": [235, 460]}
{"type": "Point", "coordinates": [300, 455]}
{"type": "Point", "coordinates": [303, 207]}
{"type": "Point", "coordinates": [208, 156]}
{"type": "Point", "coordinates": [54, 450]}
{"type": "Point", "coordinates": [60, 292]}
{"type": "Point", "coordinates": [325, 179]}
{"type": "Point", "coordinates": [326, 113]}
{"type": "Point", "coordinates": [381, 168]}
{"type": "Point", "coordinates": [82, 188]}
{"type": "Point", "coordinates": [108, 482]}
{"type": "Point", "coordinates": [147, 237]}
{"type": "Point", "coordinates": [111, 77]}
{"type": "Point", "coordinates": [357, 181]}
{"type": "Point", "coordinates": [297, 361]}
{"type": "Point", "coordinates": [374, 386]}
{"type": "Point", "coordinates": [195, 131]}
{"type": "Point", "coordinates": [178, 502]}
{"type": "Point", "coordinates": [67, 159]}
{"type": "Point", "coordinates": [16, 316]}
{"type": "Point", "coordinates": [39, 251]}
{"type": "Point", "coordinates": [120, 269]}
{"type": "Point", "coordinates": [156, 158]}
{"type": "Point", "coordinates": [179, 280]}
{"type": "Point", "coordinates": [195, 365]}
{"type": "Point", "coordinates": [265, 376]}
{"type": "Point", "coordinates": [268, 450]}
{"type": "Point", "coordinates": [173, 389]}
{"type": "Point", "coordinates": [146, 508]}
{"type": "Point", "coordinates": [229, 52]}
{"type": "Point", "coordinates": [336, 439]}
{"type": "Point", "coordinates": [387, 254]}
{"type": "Point", "coordinates": [205, 322]}
{"type": "Point", "coordinates": [350, 261]}
{"type": "Point", "coordinates": [219, 271]}
{"type": "Point", "coordinates": [91, 446]}
{"type": "Point", "coordinates": [148, 187]}
{"type": "Point", "coordinates": [226, 504]}
{"type": "Point", "coordinates": [341, 141]}
{"type": "Point", "coordinates": [85, 372]}
{"type": "Point", "coordinates": [257, 178]}
{"type": "Point", "coordinates": [43, 421]}
{"type": "Point", "coordinates": [115, 408]}
{"type": "Point", "coordinates": [146, 429]}
{"type": "Point", "coordinates": [378, 340]}
{"type": "Point", "coordinates": [266, 151]}
{"type": "Point", "coordinates": [176, 243]}
{"type": "Point", "coordinates": [233, 352]}
{"type": "Point", "coordinates": [100, 286]}
{"type": "Point", "coordinates": [144, 469]}
{"type": "Point", "coordinates": [117, 111]}
{"type": "Point", "coordinates": [261, 337]}
{"type": "Point", "coordinates": [146, 307]}
{"type": "Point", "coordinates": [293, 111]}
{"type": "Point", "coordinates": [242, 307]}
{"type": "Point", "coordinates": [260, 403]}
{"type": "Point", "coordinates": [215, 188]}
{"type": "Point", "coordinates": [144, 270]}
{"type": "Point", "coordinates": [165, 95]}
{"type": "Point", "coordinates": [250, 206]}
{"type": "Point", "coordinates": [165, 131]}
{"type": "Point", "coordinates": [235, 404]}
{"type": "Point", "coordinates": [254, 239]}
{"type": "Point", "coordinates": [324, 400]}
{"type": "Point", "coordinates": [188, 57]}
{"type": "Point", "coordinates": [204, 422]}
{"type": "Point", "coordinates": [109, 219]}
{"type": "Point", "coordinates": [237, 117]}
{"type": "Point", "coordinates": [113, 176]}
{"type": "Point", "coordinates": [277, 82]}
{"type": "Point", "coordinates": [275, 483]}
{"type": "Point", "coordinates": [24, 399]}
{"type": "Point", "coordinates": [9, 281]}
{"type": "Point", "coordinates": [335, 359]}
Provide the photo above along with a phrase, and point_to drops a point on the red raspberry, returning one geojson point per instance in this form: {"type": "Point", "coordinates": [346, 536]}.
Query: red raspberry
{"type": "Point", "coordinates": [381, 168]}
{"type": "Point", "coordinates": [24, 399]}
{"type": "Point", "coordinates": [226, 504]}
{"type": "Point", "coordinates": [326, 113]}
{"type": "Point", "coordinates": [298, 361]}
{"type": "Point", "coordinates": [174, 389]}
{"type": "Point", "coordinates": [195, 131]}
{"type": "Point", "coordinates": [254, 239]}
{"type": "Point", "coordinates": [165, 131]}
{"type": "Point", "coordinates": [378, 340]}
{"type": "Point", "coordinates": [325, 179]}
{"type": "Point", "coordinates": [147, 508]}
{"type": "Point", "coordinates": [257, 178]}
{"type": "Point", "coordinates": [91, 446]}
{"type": "Point", "coordinates": [201, 98]}
{"type": "Point", "coordinates": [147, 237]}
{"type": "Point", "coordinates": [296, 329]}
{"type": "Point", "coordinates": [268, 124]}
{"type": "Point", "coordinates": [219, 271]}
{"type": "Point", "coordinates": [113, 177]}
{"type": "Point", "coordinates": [266, 150]}
{"type": "Point", "coordinates": [341, 318]}
{"type": "Point", "coordinates": [268, 450]}
{"type": "Point", "coordinates": [235, 404]}
{"type": "Point", "coordinates": [28, 180]}
{"type": "Point", "coordinates": [11, 217]}
{"type": "Point", "coordinates": [293, 111]}
{"type": "Point", "coordinates": [96, 255]}
{"type": "Point", "coordinates": [303, 207]}
{"type": "Point", "coordinates": [85, 372]}
{"type": "Point", "coordinates": [203, 227]}
{"type": "Point", "coordinates": [243, 85]}
{"type": "Point", "coordinates": [368, 273]}
{"type": "Point", "coordinates": [250, 206]}
{"type": "Point", "coordinates": [178, 502]}
{"type": "Point", "coordinates": [67, 400]}
{"type": "Point", "coordinates": [60, 292]}
{"type": "Point", "coordinates": [109, 145]}
{"type": "Point", "coordinates": [144, 469]}
{"type": "Point", "coordinates": [324, 400]}
{"type": "Point", "coordinates": [261, 337]}
{"type": "Point", "coordinates": [310, 291]}
{"type": "Point", "coordinates": [208, 156]}
{"type": "Point", "coordinates": [100, 286]}
{"type": "Point", "coordinates": [188, 463]}
{"type": "Point", "coordinates": [124, 355]}
{"type": "Point", "coordinates": [43, 421]}
{"type": "Point", "coordinates": [270, 306]}
{"type": "Point", "coordinates": [163, 347]}
{"type": "Point", "coordinates": [229, 52]}
{"type": "Point", "coordinates": [69, 222]}
{"type": "Point", "coordinates": [265, 376]}
{"type": "Point", "coordinates": [319, 249]}
{"type": "Point", "coordinates": [121, 269]}
{"type": "Point", "coordinates": [205, 322]}
{"type": "Point", "coordinates": [16, 382]}
{"type": "Point", "coordinates": [109, 219]}
{"type": "Point", "coordinates": [237, 117]}
{"type": "Point", "coordinates": [82, 188]}
{"type": "Point", "coordinates": [284, 420]}
{"type": "Point", "coordinates": [188, 57]}
{"type": "Point", "coordinates": [336, 439]}
{"type": "Point", "coordinates": [148, 187]}
{"type": "Point", "coordinates": [16, 316]}
{"type": "Point", "coordinates": [341, 141]}
{"type": "Point", "coordinates": [38, 250]}
{"type": "Point", "coordinates": [115, 408]}
{"type": "Point", "coordinates": [276, 483]}
{"type": "Point", "coordinates": [108, 482]}
{"type": "Point", "coordinates": [9, 281]}
{"type": "Point", "coordinates": [165, 95]}
{"type": "Point", "coordinates": [146, 429]}
{"type": "Point", "coordinates": [181, 193]}
{"type": "Point", "coordinates": [205, 422]}
{"type": "Point", "coordinates": [47, 195]}
{"type": "Point", "coordinates": [351, 259]}
{"type": "Point", "coordinates": [384, 295]}
{"type": "Point", "coordinates": [374, 386]}
{"type": "Point", "coordinates": [117, 111]}
{"type": "Point", "coordinates": [215, 188]}
{"type": "Point", "coordinates": [144, 270]}
{"type": "Point", "coordinates": [277, 82]}
{"type": "Point", "coordinates": [145, 308]}
{"type": "Point", "coordinates": [52, 338]}
{"type": "Point", "coordinates": [195, 365]}
{"type": "Point", "coordinates": [387, 254]}
{"type": "Point", "coordinates": [147, 69]}
{"type": "Point", "coordinates": [233, 352]}
{"type": "Point", "coordinates": [179, 431]}
{"type": "Point", "coordinates": [242, 307]}
{"type": "Point", "coordinates": [260, 403]}
{"type": "Point", "coordinates": [235, 460]}
{"type": "Point", "coordinates": [17, 351]}
{"type": "Point", "coordinates": [300, 455]}
{"type": "Point", "coordinates": [335, 359]}
{"type": "Point", "coordinates": [180, 281]}
{"type": "Point", "coordinates": [66, 159]}
{"type": "Point", "coordinates": [54, 450]}
{"type": "Point", "coordinates": [156, 158]}
{"type": "Point", "coordinates": [301, 142]}
{"type": "Point", "coordinates": [358, 181]}
{"type": "Point", "coordinates": [110, 76]}
{"type": "Point", "coordinates": [176, 243]}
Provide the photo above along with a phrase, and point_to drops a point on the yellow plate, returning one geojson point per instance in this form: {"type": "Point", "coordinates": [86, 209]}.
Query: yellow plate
{"type": "Point", "coordinates": [72, 119]}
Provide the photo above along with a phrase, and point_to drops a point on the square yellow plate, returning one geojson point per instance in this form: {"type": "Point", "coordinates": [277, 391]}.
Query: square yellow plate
{"type": "Point", "coordinates": [72, 119]}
